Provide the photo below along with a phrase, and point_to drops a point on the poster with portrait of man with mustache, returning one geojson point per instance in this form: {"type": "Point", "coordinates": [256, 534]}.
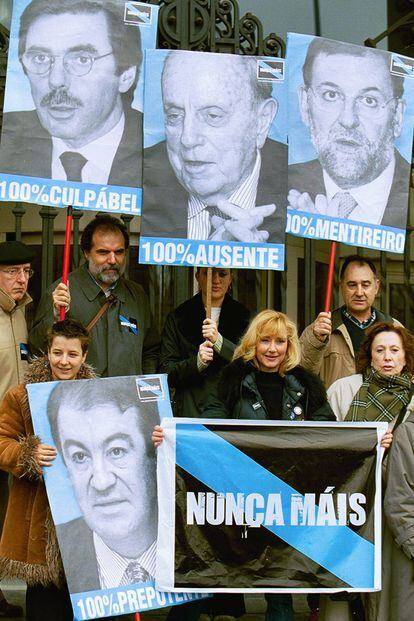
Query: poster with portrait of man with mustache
{"type": "Point", "coordinates": [72, 124]}
{"type": "Point", "coordinates": [350, 141]}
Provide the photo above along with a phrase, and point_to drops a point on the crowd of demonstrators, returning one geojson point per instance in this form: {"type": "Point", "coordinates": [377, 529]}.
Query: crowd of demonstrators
{"type": "Point", "coordinates": [193, 351]}
{"type": "Point", "coordinates": [218, 367]}
{"type": "Point", "coordinates": [28, 547]}
{"type": "Point", "coordinates": [124, 340]}
{"type": "Point", "coordinates": [331, 343]}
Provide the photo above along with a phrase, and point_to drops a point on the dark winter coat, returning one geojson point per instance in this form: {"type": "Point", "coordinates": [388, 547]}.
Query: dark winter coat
{"type": "Point", "coordinates": [180, 341]}
{"type": "Point", "coordinates": [237, 395]}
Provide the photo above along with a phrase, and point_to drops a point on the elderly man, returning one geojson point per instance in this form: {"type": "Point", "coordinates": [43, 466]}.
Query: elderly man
{"type": "Point", "coordinates": [354, 110]}
{"type": "Point", "coordinates": [115, 309]}
{"type": "Point", "coordinates": [331, 343]}
{"type": "Point", "coordinates": [82, 64]}
{"type": "Point", "coordinates": [217, 176]}
{"type": "Point", "coordinates": [15, 271]}
{"type": "Point", "coordinates": [104, 438]}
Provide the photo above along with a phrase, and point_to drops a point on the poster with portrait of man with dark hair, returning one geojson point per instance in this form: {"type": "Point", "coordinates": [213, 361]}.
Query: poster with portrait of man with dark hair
{"type": "Point", "coordinates": [102, 488]}
{"type": "Point", "coordinates": [351, 116]}
{"type": "Point", "coordinates": [72, 124]}
{"type": "Point", "coordinates": [215, 160]}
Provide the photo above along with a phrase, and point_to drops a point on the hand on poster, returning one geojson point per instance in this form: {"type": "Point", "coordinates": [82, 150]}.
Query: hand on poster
{"type": "Point", "coordinates": [386, 440]}
{"type": "Point", "coordinates": [243, 223]}
{"type": "Point", "coordinates": [61, 296]}
{"type": "Point", "coordinates": [44, 455]}
{"type": "Point", "coordinates": [303, 202]}
{"type": "Point", "coordinates": [322, 326]}
{"type": "Point", "coordinates": [209, 330]}
{"type": "Point", "coordinates": [157, 436]}
{"type": "Point", "coordinates": [205, 352]}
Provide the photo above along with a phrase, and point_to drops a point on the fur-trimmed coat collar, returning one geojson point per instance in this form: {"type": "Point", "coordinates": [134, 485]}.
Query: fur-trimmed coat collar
{"type": "Point", "coordinates": [39, 371]}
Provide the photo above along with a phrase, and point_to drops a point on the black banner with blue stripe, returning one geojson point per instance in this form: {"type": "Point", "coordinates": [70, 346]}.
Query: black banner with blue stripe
{"type": "Point", "coordinates": [269, 507]}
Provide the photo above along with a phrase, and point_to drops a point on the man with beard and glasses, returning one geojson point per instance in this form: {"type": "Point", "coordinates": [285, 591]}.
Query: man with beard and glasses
{"type": "Point", "coordinates": [124, 340]}
{"type": "Point", "coordinates": [354, 110]}
{"type": "Point", "coordinates": [82, 64]}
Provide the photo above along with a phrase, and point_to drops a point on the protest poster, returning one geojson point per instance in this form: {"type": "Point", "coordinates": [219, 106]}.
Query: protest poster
{"type": "Point", "coordinates": [266, 506]}
{"type": "Point", "coordinates": [102, 488]}
{"type": "Point", "coordinates": [351, 114]}
{"type": "Point", "coordinates": [72, 124]}
{"type": "Point", "coordinates": [215, 160]}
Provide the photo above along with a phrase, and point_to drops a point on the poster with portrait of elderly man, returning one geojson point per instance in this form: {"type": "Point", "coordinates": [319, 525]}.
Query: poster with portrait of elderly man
{"type": "Point", "coordinates": [72, 124]}
{"type": "Point", "coordinates": [351, 113]}
{"type": "Point", "coordinates": [102, 488]}
{"type": "Point", "coordinates": [215, 160]}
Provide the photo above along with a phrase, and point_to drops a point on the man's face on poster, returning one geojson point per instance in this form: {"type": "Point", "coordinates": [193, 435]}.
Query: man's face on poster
{"type": "Point", "coordinates": [213, 125]}
{"type": "Point", "coordinates": [112, 475]}
{"type": "Point", "coordinates": [353, 116]}
{"type": "Point", "coordinates": [75, 108]}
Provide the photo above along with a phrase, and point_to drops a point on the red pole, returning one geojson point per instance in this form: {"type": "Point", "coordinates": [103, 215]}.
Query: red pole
{"type": "Point", "coordinates": [137, 617]}
{"type": "Point", "coordinates": [66, 256]}
{"type": "Point", "coordinates": [331, 269]}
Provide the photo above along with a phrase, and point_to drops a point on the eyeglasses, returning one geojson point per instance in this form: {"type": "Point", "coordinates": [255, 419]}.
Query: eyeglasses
{"type": "Point", "coordinates": [333, 100]}
{"type": "Point", "coordinates": [77, 63]}
{"type": "Point", "coordinates": [14, 272]}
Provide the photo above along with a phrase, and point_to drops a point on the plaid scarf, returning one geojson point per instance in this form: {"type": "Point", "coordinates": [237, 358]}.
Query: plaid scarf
{"type": "Point", "coordinates": [380, 398]}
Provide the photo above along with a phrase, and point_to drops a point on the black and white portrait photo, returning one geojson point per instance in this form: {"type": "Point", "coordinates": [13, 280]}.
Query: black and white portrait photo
{"type": "Point", "coordinates": [215, 156]}
{"type": "Point", "coordinates": [104, 438]}
{"type": "Point", "coordinates": [70, 113]}
{"type": "Point", "coordinates": [350, 132]}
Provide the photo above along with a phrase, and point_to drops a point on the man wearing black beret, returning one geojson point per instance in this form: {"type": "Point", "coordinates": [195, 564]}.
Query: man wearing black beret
{"type": "Point", "coordinates": [15, 271]}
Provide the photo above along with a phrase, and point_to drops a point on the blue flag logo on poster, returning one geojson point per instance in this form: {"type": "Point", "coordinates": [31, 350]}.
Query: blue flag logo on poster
{"type": "Point", "coordinates": [137, 13]}
{"type": "Point", "coordinates": [402, 65]}
{"type": "Point", "coordinates": [269, 70]}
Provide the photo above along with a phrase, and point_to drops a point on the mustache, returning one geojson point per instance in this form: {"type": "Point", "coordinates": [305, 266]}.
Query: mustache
{"type": "Point", "coordinates": [59, 97]}
{"type": "Point", "coordinates": [352, 134]}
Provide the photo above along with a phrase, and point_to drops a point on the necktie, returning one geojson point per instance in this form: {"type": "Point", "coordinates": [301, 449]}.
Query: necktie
{"type": "Point", "coordinates": [135, 573]}
{"type": "Point", "coordinates": [212, 210]}
{"type": "Point", "coordinates": [73, 164]}
{"type": "Point", "coordinates": [346, 204]}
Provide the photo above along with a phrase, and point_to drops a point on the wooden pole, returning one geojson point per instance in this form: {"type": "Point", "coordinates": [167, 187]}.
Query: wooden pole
{"type": "Point", "coordinates": [208, 292]}
{"type": "Point", "coordinates": [331, 269]}
{"type": "Point", "coordinates": [66, 256]}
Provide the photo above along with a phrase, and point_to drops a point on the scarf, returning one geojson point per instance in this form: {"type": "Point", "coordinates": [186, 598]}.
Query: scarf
{"type": "Point", "coordinates": [381, 397]}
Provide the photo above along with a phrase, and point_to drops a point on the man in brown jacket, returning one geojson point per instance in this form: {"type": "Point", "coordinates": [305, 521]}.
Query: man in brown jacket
{"type": "Point", "coordinates": [331, 343]}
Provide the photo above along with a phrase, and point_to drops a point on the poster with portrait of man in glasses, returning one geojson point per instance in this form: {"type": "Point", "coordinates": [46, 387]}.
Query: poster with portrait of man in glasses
{"type": "Point", "coordinates": [350, 141]}
{"type": "Point", "coordinates": [72, 124]}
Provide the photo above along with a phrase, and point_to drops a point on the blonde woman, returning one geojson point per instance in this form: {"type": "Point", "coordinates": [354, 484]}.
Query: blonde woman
{"type": "Point", "coordinates": [265, 382]}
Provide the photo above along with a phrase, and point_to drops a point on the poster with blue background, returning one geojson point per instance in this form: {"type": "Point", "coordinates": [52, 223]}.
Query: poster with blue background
{"type": "Point", "coordinates": [215, 160]}
{"type": "Point", "coordinates": [102, 488]}
{"type": "Point", "coordinates": [351, 115]}
{"type": "Point", "coordinates": [72, 124]}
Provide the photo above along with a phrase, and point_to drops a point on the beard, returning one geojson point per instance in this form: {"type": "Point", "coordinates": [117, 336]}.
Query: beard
{"type": "Point", "coordinates": [357, 166]}
{"type": "Point", "coordinates": [106, 274]}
